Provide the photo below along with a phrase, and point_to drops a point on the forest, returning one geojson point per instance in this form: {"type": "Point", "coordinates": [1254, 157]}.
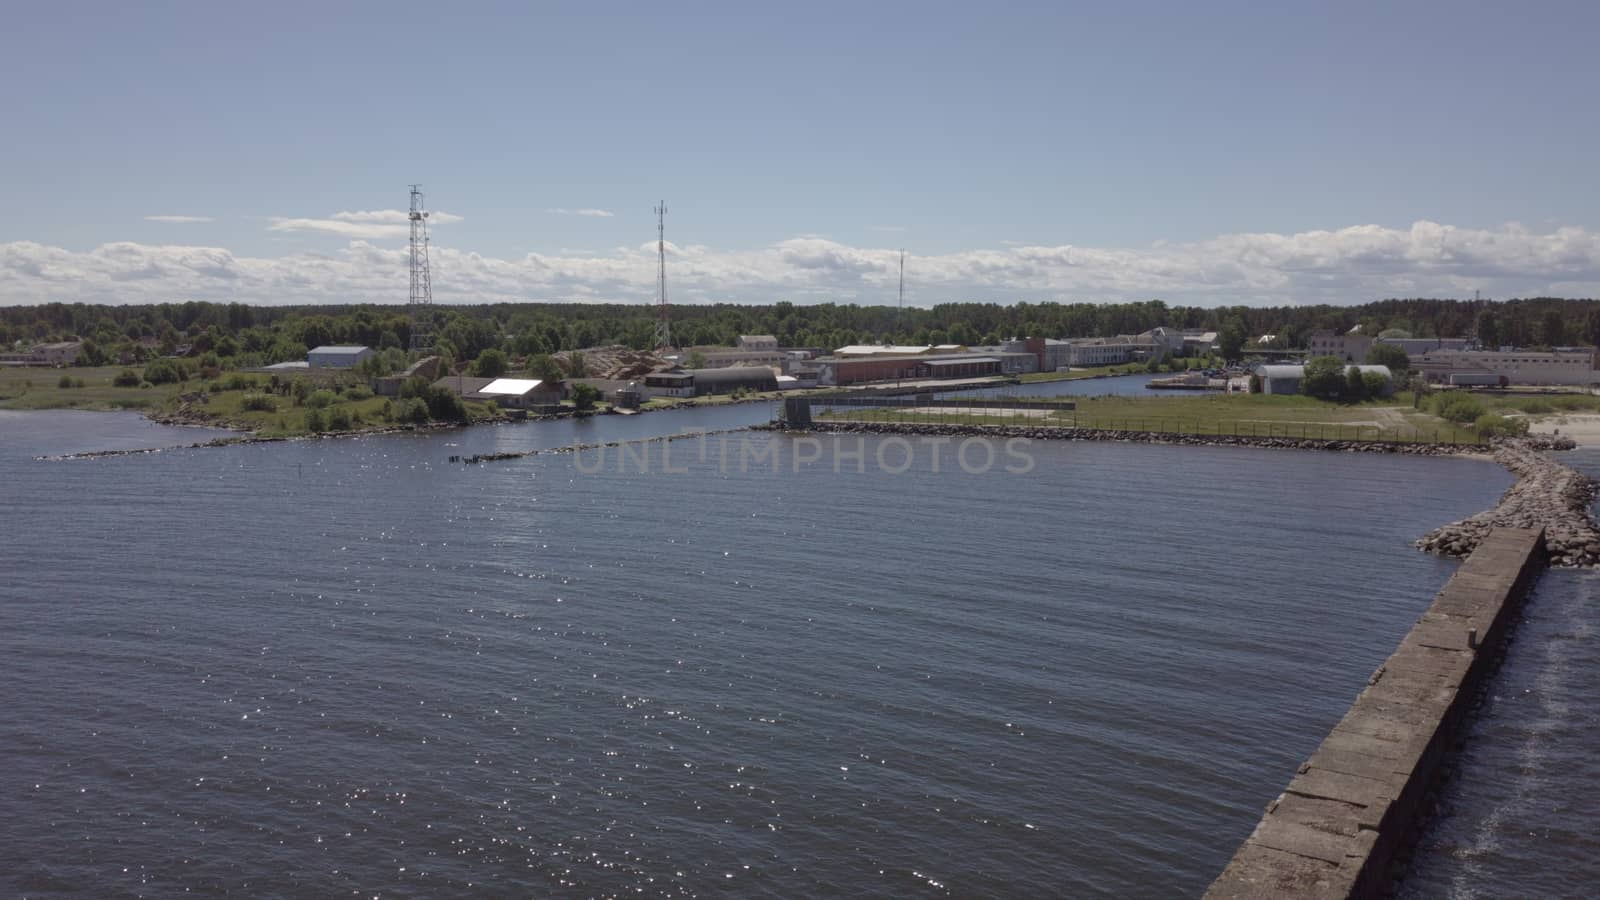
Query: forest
{"type": "Point", "coordinates": [241, 335]}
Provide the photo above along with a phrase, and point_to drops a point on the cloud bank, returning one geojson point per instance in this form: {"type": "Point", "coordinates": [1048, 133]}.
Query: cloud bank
{"type": "Point", "coordinates": [589, 212]}
{"type": "Point", "coordinates": [179, 220]}
{"type": "Point", "coordinates": [1348, 265]}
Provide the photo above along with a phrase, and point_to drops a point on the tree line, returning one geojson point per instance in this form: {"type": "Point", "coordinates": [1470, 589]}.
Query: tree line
{"type": "Point", "coordinates": [257, 335]}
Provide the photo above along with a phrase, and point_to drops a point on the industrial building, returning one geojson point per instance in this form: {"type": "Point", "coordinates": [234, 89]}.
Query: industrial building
{"type": "Point", "coordinates": [857, 370]}
{"type": "Point", "coordinates": [337, 356]}
{"type": "Point", "coordinates": [508, 393]}
{"type": "Point", "coordinates": [701, 382]}
{"type": "Point", "coordinates": [1052, 355]}
{"type": "Point", "coordinates": [1351, 348]}
{"type": "Point", "coordinates": [733, 378]}
{"type": "Point", "coordinates": [1571, 366]}
{"type": "Point", "coordinates": [63, 353]}
{"type": "Point", "coordinates": [1419, 346]}
{"type": "Point", "coordinates": [1286, 379]}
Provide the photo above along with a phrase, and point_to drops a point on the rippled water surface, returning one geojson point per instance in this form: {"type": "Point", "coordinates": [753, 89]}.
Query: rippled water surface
{"type": "Point", "coordinates": [1520, 817]}
{"type": "Point", "coordinates": [318, 667]}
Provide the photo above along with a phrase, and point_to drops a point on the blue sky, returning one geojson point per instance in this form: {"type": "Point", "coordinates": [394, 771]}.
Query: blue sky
{"type": "Point", "coordinates": [1203, 153]}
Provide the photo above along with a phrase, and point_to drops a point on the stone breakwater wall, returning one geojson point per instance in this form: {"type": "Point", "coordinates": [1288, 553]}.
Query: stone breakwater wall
{"type": "Point", "coordinates": [1342, 825]}
{"type": "Point", "coordinates": [1062, 433]}
{"type": "Point", "coordinates": [1547, 495]}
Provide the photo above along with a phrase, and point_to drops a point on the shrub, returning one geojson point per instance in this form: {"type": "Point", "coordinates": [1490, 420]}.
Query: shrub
{"type": "Point", "coordinates": [358, 392]}
{"type": "Point", "coordinates": [339, 419]}
{"type": "Point", "coordinates": [443, 405]}
{"type": "Point", "coordinates": [1375, 383]}
{"type": "Point", "coordinates": [584, 396]}
{"type": "Point", "coordinates": [258, 403]}
{"type": "Point", "coordinates": [316, 422]}
{"type": "Point", "coordinates": [235, 381]}
{"type": "Point", "coordinates": [165, 371]}
{"type": "Point", "coordinates": [1492, 425]}
{"type": "Point", "coordinates": [491, 363]}
{"type": "Point", "coordinates": [411, 410]}
{"type": "Point", "coordinates": [65, 382]}
{"type": "Point", "coordinates": [1458, 407]}
{"type": "Point", "coordinates": [1324, 378]}
{"type": "Point", "coordinates": [127, 378]}
{"type": "Point", "coordinates": [320, 399]}
{"type": "Point", "coordinates": [1537, 407]}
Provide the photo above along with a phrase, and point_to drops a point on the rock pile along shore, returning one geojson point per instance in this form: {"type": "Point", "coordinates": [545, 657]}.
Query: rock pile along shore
{"type": "Point", "coordinates": [1546, 494]}
{"type": "Point", "coordinates": [1062, 433]}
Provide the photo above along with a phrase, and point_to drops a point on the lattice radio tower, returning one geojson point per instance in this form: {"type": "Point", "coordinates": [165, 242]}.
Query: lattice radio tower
{"type": "Point", "coordinates": [663, 312]}
{"type": "Point", "coordinates": [423, 338]}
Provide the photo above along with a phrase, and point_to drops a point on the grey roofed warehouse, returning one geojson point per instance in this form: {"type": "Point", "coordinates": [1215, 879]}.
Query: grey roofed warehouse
{"type": "Point", "coordinates": [726, 380]}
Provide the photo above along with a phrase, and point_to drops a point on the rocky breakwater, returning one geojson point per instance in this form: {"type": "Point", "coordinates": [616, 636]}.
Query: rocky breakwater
{"type": "Point", "coordinates": [1547, 494]}
{"type": "Point", "coordinates": [1069, 433]}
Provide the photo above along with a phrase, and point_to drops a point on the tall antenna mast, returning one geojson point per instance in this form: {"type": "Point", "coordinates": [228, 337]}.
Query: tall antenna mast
{"type": "Point", "coordinates": [421, 305]}
{"type": "Point", "coordinates": [899, 317]}
{"type": "Point", "coordinates": [663, 314]}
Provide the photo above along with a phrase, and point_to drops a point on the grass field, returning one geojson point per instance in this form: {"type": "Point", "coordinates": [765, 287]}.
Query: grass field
{"type": "Point", "coordinates": [29, 388]}
{"type": "Point", "coordinates": [1212, 414]}
{"type": "Point", "coordinates": [38, 388]}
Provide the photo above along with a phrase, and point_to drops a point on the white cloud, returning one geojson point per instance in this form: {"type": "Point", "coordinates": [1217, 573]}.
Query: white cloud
{"type": "Point", "coordinates": [393, 217]}
{"type": "Point", "coordinates": [179, 220]}
{"type": "Point", "coordinates": [592, 213]}
{"type": "Point", "coordinates": [371, 224]}
{"type": "Point", "coordinates": [1349, 265]}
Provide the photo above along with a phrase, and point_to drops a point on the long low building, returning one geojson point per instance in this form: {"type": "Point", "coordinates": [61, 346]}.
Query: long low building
{"type": "Point", "coordinates": [1286, 379]}
{"type": "Point", "coordinates": [858, 370]}
{"type": "Point", "coordinates": [700, 382]}
{"type": "Point", "coordinates": [1531, 367]}
{"type": "Point", "coordinates": [64, 353]}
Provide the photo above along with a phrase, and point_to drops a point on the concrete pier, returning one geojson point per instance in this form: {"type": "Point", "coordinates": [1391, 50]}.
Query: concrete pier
{"type": "Point", "coordinates": [1334, 830]}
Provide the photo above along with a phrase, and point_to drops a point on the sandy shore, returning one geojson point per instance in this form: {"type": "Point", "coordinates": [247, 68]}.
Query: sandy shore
{"type": "Point", "coordinates": [1584, 428]}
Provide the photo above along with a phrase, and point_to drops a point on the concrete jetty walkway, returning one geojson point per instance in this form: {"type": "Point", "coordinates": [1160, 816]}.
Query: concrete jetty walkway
{"type": "Point", "coordinates": [1334, 830]}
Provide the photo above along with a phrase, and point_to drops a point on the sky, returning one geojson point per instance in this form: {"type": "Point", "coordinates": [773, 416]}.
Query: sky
{"type": "Point", "coordinates": [1203, 154]}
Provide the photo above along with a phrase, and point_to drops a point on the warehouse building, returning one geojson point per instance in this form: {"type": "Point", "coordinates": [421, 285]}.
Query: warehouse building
{"type": "Point", "coordinates": [732, 378]}
{"type": "Point", "coordinates": [508, 393]}
{"type": "Point", "coordinates": [337, 356]}
{"type": "Point", "coordinates": [1286, 379]}
{"type": "Point", "coordinates": [1572, 366]}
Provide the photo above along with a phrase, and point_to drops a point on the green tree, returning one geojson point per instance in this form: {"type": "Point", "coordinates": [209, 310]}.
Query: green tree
{"type": "Point", "coordinates": [585, 396]}
{"type": "Point", "coordinates": [1489, 330]}
{"type": "Point", "coordinates": [1231, 339]}
{"type": "Point", "coordinates": [491, 363]}
{"type": "Point", "coordinates": [1324, 378]}
{"type": "Point", "coordinates": [1391, 355]}
{"type": "Point", "coordinates": [1553, 330]}
{"type": "Point", "coordinates": [576, 366]}
{"type": "Point", "coordinates": [544, 367]}
{"type": "Point", "coordinates": [696, 360]}
{"type": "Point", "coordinates": [164, 371]}
{"type": "Point", "coordinates": [1355, 387]}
